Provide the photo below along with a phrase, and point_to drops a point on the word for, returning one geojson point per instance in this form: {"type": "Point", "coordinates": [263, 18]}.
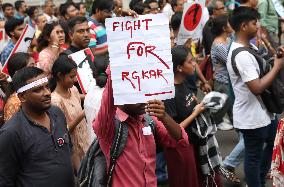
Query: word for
{"type": "Point", "coordinates": [131, 25]}
{"type": "Point", "coordinates": [141, 49]}
{"type": "Point", "coordinates": [137, 76]}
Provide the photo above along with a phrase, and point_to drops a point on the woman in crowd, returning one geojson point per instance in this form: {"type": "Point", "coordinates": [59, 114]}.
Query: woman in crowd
{"type": "Point", "coordinates": [50, 45]}
{"type": "Point", "coordinates": [16, 62]}
{"type": "Point", "coordinates": [182, 168]}
{"type": "Point", "coordinates": [66, 96]}
{"type": "Point", "coordinates": [93, 98]}
{"type": "Point", "coordinates": [220, 47]}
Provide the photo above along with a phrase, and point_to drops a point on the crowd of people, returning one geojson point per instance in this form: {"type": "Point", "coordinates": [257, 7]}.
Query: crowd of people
{"type": "Point", "coordinates": [48, 126]}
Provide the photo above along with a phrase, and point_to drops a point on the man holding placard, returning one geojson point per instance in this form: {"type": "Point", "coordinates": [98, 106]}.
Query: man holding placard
{"type": "Point", "coordinates": [136, 164]}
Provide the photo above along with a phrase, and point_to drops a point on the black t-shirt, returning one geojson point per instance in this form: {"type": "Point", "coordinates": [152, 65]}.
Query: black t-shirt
{"type": "Point", "coordinates": [33, 156]}
{"type": "Point", "coordinates": [182, 105]}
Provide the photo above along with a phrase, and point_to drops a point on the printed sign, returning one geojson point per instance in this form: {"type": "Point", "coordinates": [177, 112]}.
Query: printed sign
{"type": "Point", "coordinates": [22, 44]}
{"type": "Point", "coordinates": [191, 26]}
{"type": "Point", "coordinates": [140, 58]}
{"type": "Point", "coordinates": [84, 60]}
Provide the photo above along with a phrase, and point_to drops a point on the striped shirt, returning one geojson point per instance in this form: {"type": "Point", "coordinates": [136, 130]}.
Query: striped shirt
{"type": "Point", "coordinates": [219, 54]}
{"type": "Point", "coordinates": [98, 35]}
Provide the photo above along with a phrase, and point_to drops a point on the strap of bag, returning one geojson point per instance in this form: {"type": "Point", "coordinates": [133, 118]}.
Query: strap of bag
{"type": "Point", "coordinates": [119, 142]}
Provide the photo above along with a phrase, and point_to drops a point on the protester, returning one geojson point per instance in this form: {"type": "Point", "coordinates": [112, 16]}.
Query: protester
{"type": "Point", "coordinates": [16, 62]}
{"type": "Point", "coordinates": [101, 9]}
{"type": "Point", "coordinates": [49, 45]}
{"type": "Point", "coordinates": [8, 11]}
{"type": "Point", "coordinates": [118, 7]}
{"type": "Point", "coordinates": [218, 8]}
{"type": "Point", "coordinates": [35, 146]}
{"type": "Point", "coordinates": [21, 8]}
{"type": "Point", "coordinates": [182, 166]}
{"type": "Point", "coordinates": [13, 28]}
{"type": "Point", "coordinates": [32, 13]}
{"type": "Point", "coordinates": [250, 116]}
{"type": "Point", "coordinates": [79, 33]}
{"type": "Point", "coordinates": [68, 10]}
{"type": "Point", "coordinates": [167, 9]}
{"type": "Point", "coordinates": [68, 99]}
{"type": "Point", "coordinates": [40, 21]}
{"type": "Point", "coordinates": [269, 21]}
{"type": "Point", "coordinates": [177, 5]}
{"type": "Point", "coordinates": [82, 10]}
{"type": "Point", "coordinates": [219, 50]}
{"type": "Point", "coordinates": [154, 6]}
{"type": "Point", "coordinates": [49, 10]}
{"type": "Point", "coordinates": [93, 98]}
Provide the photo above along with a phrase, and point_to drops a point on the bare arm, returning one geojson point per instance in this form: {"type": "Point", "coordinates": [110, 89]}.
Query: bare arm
{"type": "Point", "coordinates": [198, 109]}
{"type": "Point", "coordinates": [73, 124]}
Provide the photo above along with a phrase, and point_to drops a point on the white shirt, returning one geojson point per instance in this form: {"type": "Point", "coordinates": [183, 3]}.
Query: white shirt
{"type": "Point", "coordinates": [249, 111]}
{"type": "Point", "coordinates": [168, 11]}
{"type": "Point", "coordinates": [50, 18]}
{"type": "Point", "coordinates": [92, 104]}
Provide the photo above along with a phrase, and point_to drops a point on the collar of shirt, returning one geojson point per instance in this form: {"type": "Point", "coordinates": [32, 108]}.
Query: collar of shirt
{"type": "Point", "coordinates": [122, 116]}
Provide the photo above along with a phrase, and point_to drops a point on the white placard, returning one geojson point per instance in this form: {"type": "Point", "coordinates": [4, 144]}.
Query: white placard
{"type": "Point", "coordinates": [140, 58]}
{"type": "Point", "coordinates": [191, 23]}
{"type": "Point", "coordinates": [3, 39]}
{"type": "Point", "coordinates": [83, 59]}
{"type": "Point", "coordinates": [22, 44]}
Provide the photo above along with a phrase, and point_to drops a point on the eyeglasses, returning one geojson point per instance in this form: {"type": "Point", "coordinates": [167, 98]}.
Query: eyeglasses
{"type": "Point", "coordinates": [221, 8]}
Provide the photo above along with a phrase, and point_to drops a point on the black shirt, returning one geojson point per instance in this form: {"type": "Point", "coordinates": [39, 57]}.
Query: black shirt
{"type": "Point", "coordinates": [31, 156]}
{"type": "Point", "coordinates": [182, 105]}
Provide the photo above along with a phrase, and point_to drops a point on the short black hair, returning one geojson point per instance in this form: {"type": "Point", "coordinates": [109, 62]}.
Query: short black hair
{"type": "Point", "coordinates": [11, 24]}
{"type": "Point", "coordinates": [147, 2]}
{"type": "Point", "coordinates": [6, 5]}
{"type": "Point", "coordinates": [179, 55]}
{"type": "Point", "coordinates": [31, 11]}
{"type": "Point", "coordinates": [133, 3]}
{"type": "Point", "coordinates": [139, 8]}
{"type": "Point", "coordinates": [173, 4]}
{"type": "Point", "coordinates": [176, 21]}
{"type": "Point", "coordinates": [242, 1]}
{"type": "Point", "coordinates": [18, 4]}
{"type": "Point", "coordinates": [99, 71]}
{"type": "Point", "coordinates": [218, 23]}
{"type": "Point", "coordinates": [102, 5]}
{"type": "Point", "coordinates": [76, 20]}
{"type": "Point", "coordinates": [23, 75]}
{"type": "Point", "coordinates": [17, 61]}
{"type": "Point", "coordinates": [243, 15]}
{"type": "Point", "coordinates": [63, 8]}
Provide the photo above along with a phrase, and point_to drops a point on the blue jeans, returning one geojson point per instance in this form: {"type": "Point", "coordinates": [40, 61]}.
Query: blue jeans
{"type": "Point", "coordinates": [237, 155]}
{"type": "Point", "coordinates": [257, 157]}
{"type": "Point", "coordinates": [161, 172]}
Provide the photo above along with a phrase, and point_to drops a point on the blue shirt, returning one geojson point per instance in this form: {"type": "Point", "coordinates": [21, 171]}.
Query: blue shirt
{"type": "Point", "coordinates": [18, 16]}
{"type": "Point", "coordinates": [6, 52]}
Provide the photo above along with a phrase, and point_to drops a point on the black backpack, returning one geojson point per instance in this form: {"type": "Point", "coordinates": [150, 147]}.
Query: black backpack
{"type": "Point", "coordinates": [93, 170]}
{"type": "Point", "coordinates": [273, 96]}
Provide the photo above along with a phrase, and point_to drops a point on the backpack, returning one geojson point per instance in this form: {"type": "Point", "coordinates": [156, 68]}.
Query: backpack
{"type": "Point", "coordinates": [273, 96]}
{"type": "Point", "coordinates": [93, 170]}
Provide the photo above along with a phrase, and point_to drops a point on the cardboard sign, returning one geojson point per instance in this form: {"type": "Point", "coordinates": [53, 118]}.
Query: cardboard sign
{"type": "Point", "coordinates": [140, 58]}
{"type": "Point", "coordinates": [3, 39]}
{"type": "Point", "coordinates": [191, 26]}
{"type": "Point", "coordinates": [84, 60]}
{"type": "Point", "coordinates": [22, 44]}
